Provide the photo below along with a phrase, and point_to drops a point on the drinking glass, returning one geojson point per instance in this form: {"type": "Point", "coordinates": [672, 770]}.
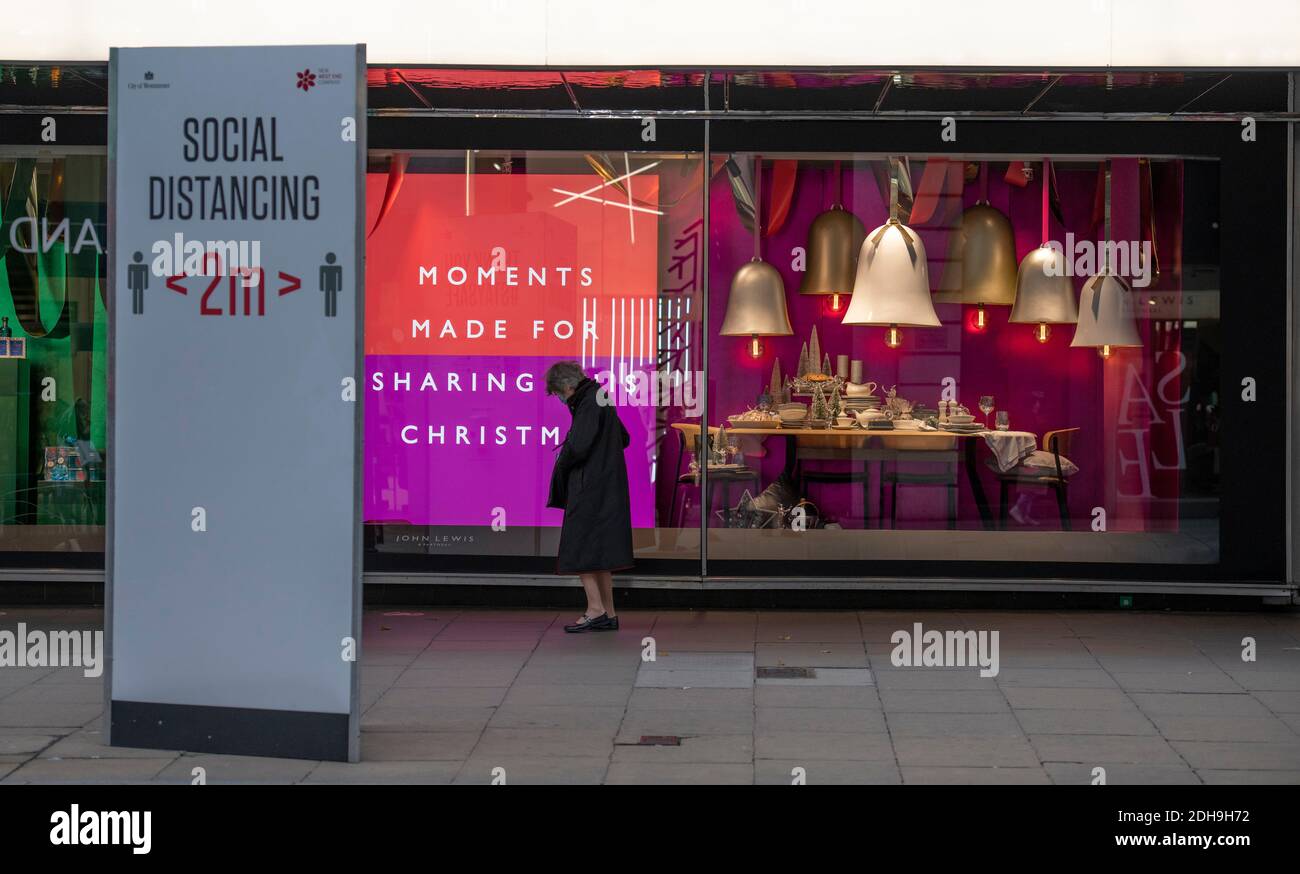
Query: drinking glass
{"type": "Point", "coordinates": [986, 407]}
{"type": "Point", "coordinates": [1003, 420]}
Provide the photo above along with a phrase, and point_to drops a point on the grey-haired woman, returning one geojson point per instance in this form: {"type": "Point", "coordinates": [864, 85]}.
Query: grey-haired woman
{"type": "Point", "coordinates": [589, 483]}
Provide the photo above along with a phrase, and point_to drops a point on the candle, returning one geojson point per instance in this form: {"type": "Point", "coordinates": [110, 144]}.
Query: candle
{"type": "Point", "coordinates": [842, 366]}
{"type": "Point", "coordinates": [856, 372]}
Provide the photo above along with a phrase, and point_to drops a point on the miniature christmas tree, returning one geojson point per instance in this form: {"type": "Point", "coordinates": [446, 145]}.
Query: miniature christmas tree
{"type": "Point", "coordinates": [836, 405]}
{"type": "Point", "coordinates": [814, 353]}
{"type": "Point", "coordinates": [720, 446]}
{"type": "Point", "coordinates": [803, 362]}
{"type": "Point", "coordinates": [826, 364]}
{"type": "Point", "coordinates": [776, 386]}
{"type": "Point", "coordinates": [819, 403]}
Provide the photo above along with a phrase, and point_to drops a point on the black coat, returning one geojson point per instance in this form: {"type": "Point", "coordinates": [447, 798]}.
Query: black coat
{"type": "Point", "coordinates": [590, 484]}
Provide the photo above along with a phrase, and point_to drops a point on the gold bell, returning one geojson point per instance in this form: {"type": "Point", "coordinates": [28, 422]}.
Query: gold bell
{"type": "Point", "coordinates": [833, 243]}
{"type": "Point", "coordinates": [756, 306]}
{"type": "Point", "coordinates": [983, 254]}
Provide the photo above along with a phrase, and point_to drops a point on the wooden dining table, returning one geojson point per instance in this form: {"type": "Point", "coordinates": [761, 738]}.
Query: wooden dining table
{"type": "Point", "coordinates": [850, 439]}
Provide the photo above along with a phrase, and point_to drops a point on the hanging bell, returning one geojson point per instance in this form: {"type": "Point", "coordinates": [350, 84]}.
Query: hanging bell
{"type": "Point", "coordinates": [1044, 294]}
{"type": "Point", "coordinates": [981, 260]}
{"type": "Point", "coordinates": [1106, 316]}
{"type": "Point", "coordinates": [833, 243]}
{"type": "Point", "coordinates": [756, 305]}
{"type": "Point", "coordinates": [892, 285]}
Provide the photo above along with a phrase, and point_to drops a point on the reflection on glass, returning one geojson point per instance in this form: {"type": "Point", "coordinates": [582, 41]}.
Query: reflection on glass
{"type": "Point", "coordinates": [52, 353]}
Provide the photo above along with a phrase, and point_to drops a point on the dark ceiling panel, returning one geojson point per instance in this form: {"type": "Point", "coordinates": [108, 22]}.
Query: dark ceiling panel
{"type": "Point", "coordinates": [54, 85]}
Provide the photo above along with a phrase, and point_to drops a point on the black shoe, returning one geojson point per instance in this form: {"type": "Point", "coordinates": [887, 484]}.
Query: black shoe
{"type": "Point", "coordinates": [605, 623]}
{"type": "Point", "coordinates": [586, 623]}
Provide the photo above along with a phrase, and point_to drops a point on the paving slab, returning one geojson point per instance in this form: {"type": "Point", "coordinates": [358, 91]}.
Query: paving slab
{"type": "Point", "coordinates": [947, 701]}
{"type": "Point", "coordinates": [444, 696]}
{"type": "Point", "coordinates": [709, 699]}
{"type": "Point", "coordinates": [235, 769]}
{"type": "Point", "coordinates": [502, 744]}
{"type": "Point", "coordinates": [965, 752]}
{"type": "Point", "coordinates": [1056, 678]}
{"type": "Point", "coordinates": [697, 774]}
{"type": "Point", "coordinates": [535, 770]}
{"type": "Point", "coordinates": [819, 719]}
{"type": "Point", "coordinates": [801, 746]}
{"type": "Point", "coordinates": [814, 655]}
{"type": "Point", "coordinates": [1240, 756]}
{"type": "Point", "coordinates": [1108, 722]}
{"type": "Point", "coordinates": [1181, 681]}
{"type": "Point", "coordinates": [695, 679]}
{"type": "Point", "coordinates": [777, 772]}
{"type": "Point", "coordinates": [95, 771]}
{"type": "Point", "coordinates": [648, 722]}
{"type": "Point", "coordinates": [605, 719]}
{"type": "Point", "coordinates": [1250, 778]}
{"type": "Point", "coordinates": [964, 725]}
{"type": "Point", "coordinates": [430, 717]}
{"type": "Point", "coordinates": [25, 745]}
{"type": "Point", "coordinates": [1200, 704]}
{"type": "Point", "coordinates": [975, 776]}
{"type": "Point", "coordinates": [932, 678]}
{"type": "Point", "coordinates": [89, 744]}
{"type": "Point", "coordinates": [768, 695]}
{"type": "Point", "coordinates": [824, 677]}
{"type": "Point", "coordinates": [1120, 774]}
{"type": "Point", "coordinates": [1095, 749]}
{"type": "Point", "coordinates": [1033, 698]}
{"type": "Point", "coordinates": [1278, 701]}
{"type": "Point", "coordinates": [1225, 728]}
{"type": "Point", "coordinates": [425, 773]}
{"type": "Point", "coordinates": [417, 746]}
{"type": "Point", "coordinates": [731, 748]}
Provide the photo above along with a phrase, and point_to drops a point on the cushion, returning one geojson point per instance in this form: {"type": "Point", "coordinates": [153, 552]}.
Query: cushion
{"type": "Point", "coordinates": [1040, 462]}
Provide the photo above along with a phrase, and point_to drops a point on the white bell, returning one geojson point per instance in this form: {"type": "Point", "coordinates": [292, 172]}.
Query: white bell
{"type": "Point", "coordinates": [1106, 315]}
{"type": "Point", "coordinates": [892, 286]}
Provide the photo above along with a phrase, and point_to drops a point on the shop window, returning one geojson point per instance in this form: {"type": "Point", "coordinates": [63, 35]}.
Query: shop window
{"type": "Point", "coordinates": [483, 269]}
{"type": "Point", "coordinates": [53, 340]}
{"type": "Point", "coordinates": [916, 394]}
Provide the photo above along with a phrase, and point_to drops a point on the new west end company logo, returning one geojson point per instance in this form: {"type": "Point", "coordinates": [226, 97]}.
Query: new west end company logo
{"type": "Point", "coordinates": [307, 78]}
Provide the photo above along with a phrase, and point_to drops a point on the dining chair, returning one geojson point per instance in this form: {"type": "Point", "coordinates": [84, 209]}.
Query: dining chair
{"type": "Point", "coordinates": [945, 478]}
{"type": "Point", "coordinates": [716, 477]}
{"type": "Point", "coordinates": [1056, 444]}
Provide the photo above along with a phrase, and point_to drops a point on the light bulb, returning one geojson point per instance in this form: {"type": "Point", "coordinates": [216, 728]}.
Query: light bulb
{"type": "Point", "coordinates": [981, 317]}
{"type": "Point", "coordinates": [1104, 351]}
{"type": "Point", "coordinates": [755, 347]}
{"type": "Point", "coordinates": [893, 337]}
{"type": "Point", "coordinates": [1042, 332]}
{"type": "Point", "coordinates": [835, 305]}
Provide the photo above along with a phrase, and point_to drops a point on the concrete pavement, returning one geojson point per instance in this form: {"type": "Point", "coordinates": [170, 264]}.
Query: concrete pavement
{"type": "Point", "coordinates": [468, 696]}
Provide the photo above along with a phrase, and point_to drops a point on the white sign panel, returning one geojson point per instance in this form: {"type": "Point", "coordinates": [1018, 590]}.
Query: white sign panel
{"type": "Point", "coordinates": [236, 281]}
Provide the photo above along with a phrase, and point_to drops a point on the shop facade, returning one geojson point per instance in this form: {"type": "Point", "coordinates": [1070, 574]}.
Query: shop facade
{"type": "Point", "coordinates": [804, 290]}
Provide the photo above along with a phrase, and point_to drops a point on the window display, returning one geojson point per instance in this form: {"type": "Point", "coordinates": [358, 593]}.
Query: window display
{"type": "Point", "coordinates": [1021, 352]}
{"type": "Point", "coordinates": [53, 338]}
{"type": "Point", "coordinates": [483, 270]}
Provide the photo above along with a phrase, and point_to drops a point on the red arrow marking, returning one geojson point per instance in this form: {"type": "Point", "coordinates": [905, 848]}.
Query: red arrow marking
{"type": "Point", "coordinates": [288, 277]}
{"type": "Point", "coordinates": [171, 283]}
